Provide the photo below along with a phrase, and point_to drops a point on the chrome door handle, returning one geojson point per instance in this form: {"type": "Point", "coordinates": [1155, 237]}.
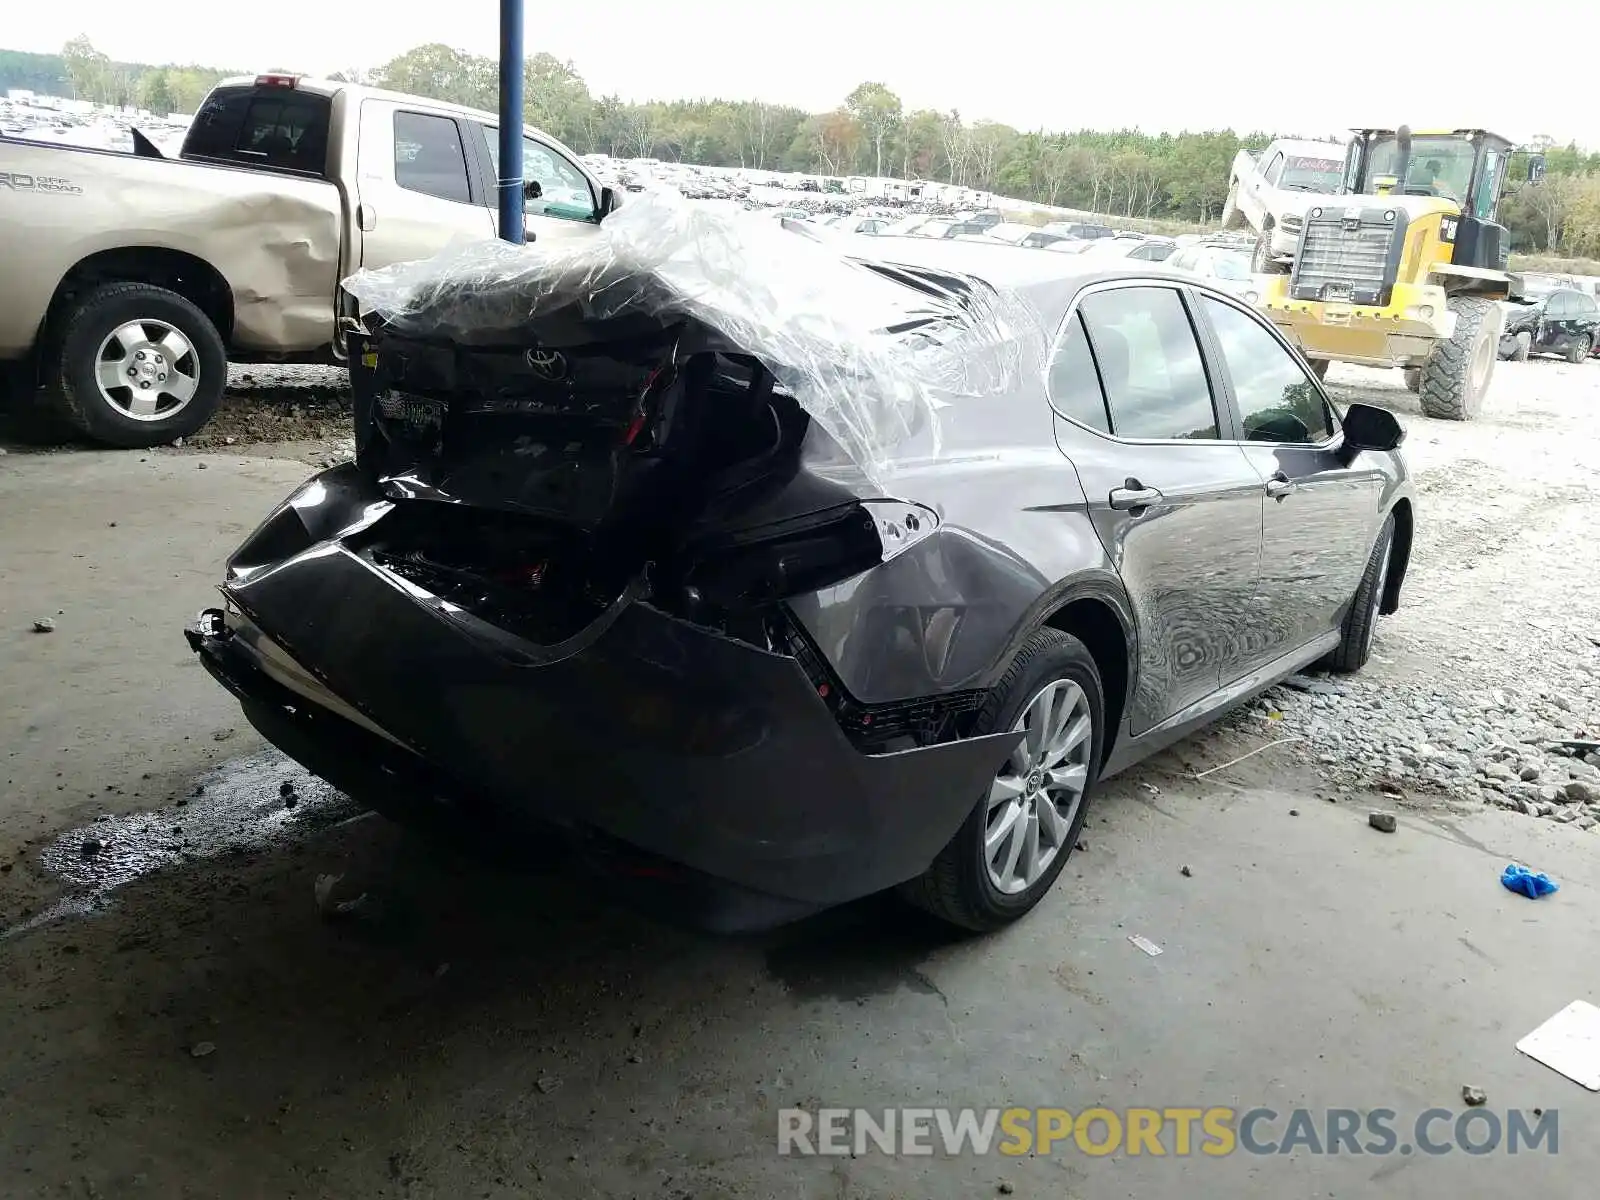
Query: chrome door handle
{"type": "Point", "coordinates": [1134, 496]}
{"type": "Point", "coordinates": [1280, 485]}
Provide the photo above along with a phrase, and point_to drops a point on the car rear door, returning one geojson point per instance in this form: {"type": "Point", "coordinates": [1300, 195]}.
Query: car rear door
{"type": "Point", "coordinates": [418, 193]}
{"type": "Point", "coordinates": [1320, 515]}
{"type": "Point", "coordinates": [1175, 502]}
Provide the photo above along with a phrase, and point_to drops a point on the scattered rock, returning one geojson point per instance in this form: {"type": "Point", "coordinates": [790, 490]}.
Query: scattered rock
{"type": "Point", "coordinates": [43, 625]}
{"type": "Point", "coordinates": [1579, 792]}
{"type": "Point", "coordinates": [286, 788]}
{"type": "Point", "coordinates": [221, 735]}
{"type": "Point", "coordinates": [201, 1049]}
{"type": "Point", "coordinates": [1314, 687]}
{"type": "Point", "coordinates": [1185, 871]}
{"type": "Point", "coordinates": [200, 466]}
{"type": "Point", "coordinates": [1082, 847]}
{"type": "Point", "coordinates": [1383, 822]}
{"type": "Point", "coordinates": [1529, 773]}
{"type": "Point", "coordinates": [1294, 812]}
{"type": "Point", "coordinates": [547, 1083]}
{"type": "Point", "coordinates": [1005, 1188]}
{"type": "Point", "coordinates": [1475, 1097]}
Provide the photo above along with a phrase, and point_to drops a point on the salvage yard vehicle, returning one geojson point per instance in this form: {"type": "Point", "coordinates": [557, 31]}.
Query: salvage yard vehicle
{"type": "Point", "coordinates": [1406, 266]}
{"type": "Point", "coordinates": [1223, 265]}
{"type": "Point", "coordinates": [803, 570]}
{"type": "Point", "coordinates": [132, 280]}
{"type": "Point", "coordinates": [1271, 191]}
{"type": "Point", "coordinates": [1562, 321]}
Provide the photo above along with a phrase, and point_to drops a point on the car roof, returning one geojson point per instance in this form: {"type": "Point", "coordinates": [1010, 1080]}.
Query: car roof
{"type": "Point", "coordinates": [1046, 282]}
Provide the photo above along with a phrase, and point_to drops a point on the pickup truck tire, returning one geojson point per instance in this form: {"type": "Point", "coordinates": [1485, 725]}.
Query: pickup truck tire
{"type": "Point", "coordinates": [1456, 376]}
{"type": "Point", "coordinates": [167, 350]}
{"type": "Point", "coordinates": [1262, 262]}
{"type": "Point", "coordinates": [1232, 218]}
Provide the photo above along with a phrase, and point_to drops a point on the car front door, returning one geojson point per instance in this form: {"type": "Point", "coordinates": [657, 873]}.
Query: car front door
{"type": "Point", "coordinates": [1174, 500]}
{"type": "Point", "coordinates": [417, 194]}
{"type": "Point", "coordinates": [568, 204]}
{"type": "Point", "coordinates": [1320, 515]}
{"type": "Point", "coordinates": [1553, 321]}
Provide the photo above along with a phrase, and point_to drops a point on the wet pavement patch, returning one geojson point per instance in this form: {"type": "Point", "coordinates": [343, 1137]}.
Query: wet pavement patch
{"type": "Point", "coordinates": [248, 803]}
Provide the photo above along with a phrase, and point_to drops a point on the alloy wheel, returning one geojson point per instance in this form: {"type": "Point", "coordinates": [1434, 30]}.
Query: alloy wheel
{"type": "Point", "coordinates": [147, 370]}
{"type": "Point", "coordinates": [1036, 796]}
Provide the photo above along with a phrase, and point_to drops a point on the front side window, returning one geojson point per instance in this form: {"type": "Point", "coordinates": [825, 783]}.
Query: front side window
{"type": "Point", "coordinates": [428, 157]}
{"type": "Point", "coordinates": [1274, 169]}
{"type": "Point", "coordinates": [1277, 400]}
{"type": "Point", "coordinates": [1150, 365]}
{"type": "Point", "coordinates": [564, 192]}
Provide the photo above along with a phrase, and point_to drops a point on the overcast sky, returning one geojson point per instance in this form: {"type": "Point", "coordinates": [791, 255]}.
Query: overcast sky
{"type": "Point", "coordinates": [1157, 65]}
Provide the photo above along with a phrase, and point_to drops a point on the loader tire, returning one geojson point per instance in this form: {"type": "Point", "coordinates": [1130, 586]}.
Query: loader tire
{"type": "Point", "coordinates": [1456, 376]}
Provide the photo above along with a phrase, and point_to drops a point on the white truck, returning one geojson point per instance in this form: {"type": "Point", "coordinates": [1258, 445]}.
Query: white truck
{"type": "Point", "coordinates": [1271, 190]}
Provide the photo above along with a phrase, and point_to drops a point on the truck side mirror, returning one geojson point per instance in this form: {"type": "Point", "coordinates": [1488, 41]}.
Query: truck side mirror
{"type": "Point", "coordinates": [608, 201]}
{"type": "Point", "coordinates": [1536, 168]}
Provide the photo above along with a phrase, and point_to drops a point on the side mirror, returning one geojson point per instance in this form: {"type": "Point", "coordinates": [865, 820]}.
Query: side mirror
{"type": "Point", "coordinates": [1369, 428]}
{"type": "Point", "coordinates": [532, 189]}
{"type": "Point", "coordinates": [609, 201]}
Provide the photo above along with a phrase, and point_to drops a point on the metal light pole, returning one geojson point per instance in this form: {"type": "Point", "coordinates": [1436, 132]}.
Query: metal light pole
{"type": "Point", "coordinates": [510, 181]}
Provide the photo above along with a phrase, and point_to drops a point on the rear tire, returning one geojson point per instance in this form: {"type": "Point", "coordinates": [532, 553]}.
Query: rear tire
{"type": "Point", "coordinates": [1579, 350]}
{"type": "Point", "coordinates": [104, 412]}
{"type": "Point", "coordinates": [1456, 376]}
{"type": "Point", "coordinates": [1524, 347]}
{"type": "Point", "coordinates": [1361, 622]}
{"type": "Point", "coordinates": [960, 886]}
{"type": "Point", "coordinates": [1232, 218]}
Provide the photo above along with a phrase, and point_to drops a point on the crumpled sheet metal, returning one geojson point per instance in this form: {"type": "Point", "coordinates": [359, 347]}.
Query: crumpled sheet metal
{"type": "Point", "coordinates": [871, 360]}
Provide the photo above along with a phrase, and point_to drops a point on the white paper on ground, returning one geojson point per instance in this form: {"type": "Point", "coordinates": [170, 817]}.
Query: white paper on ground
{"type": "Point", "coordinates": [1145, 944]}
{"type": "Point", "coordinates": [1569, 1042]}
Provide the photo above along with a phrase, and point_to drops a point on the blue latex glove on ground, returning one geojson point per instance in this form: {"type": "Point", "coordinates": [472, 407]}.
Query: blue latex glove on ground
{"type": "Point", "coordinates": [1528, 883]}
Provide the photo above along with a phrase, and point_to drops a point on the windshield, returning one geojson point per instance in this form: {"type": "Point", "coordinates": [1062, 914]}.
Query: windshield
{"type": "Point", "coordinates": [1304, 174]}
{"type": "Point", "coordinates": [1231, 266]}
{"type": "Point", "coordinates": [1439, 166]}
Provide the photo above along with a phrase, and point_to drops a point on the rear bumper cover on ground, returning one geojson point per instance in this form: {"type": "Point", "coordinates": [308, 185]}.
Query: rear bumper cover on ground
{"type": "Point", "coordinates": [666, 736]}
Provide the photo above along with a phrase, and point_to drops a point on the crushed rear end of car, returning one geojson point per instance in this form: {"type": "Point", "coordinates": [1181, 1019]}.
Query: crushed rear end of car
{"type": "Point", "coordinates": [557, 582]}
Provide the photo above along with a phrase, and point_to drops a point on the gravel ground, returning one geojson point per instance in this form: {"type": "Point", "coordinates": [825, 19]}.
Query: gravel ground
{"type": "Point", "coordinates": [1491, 661]}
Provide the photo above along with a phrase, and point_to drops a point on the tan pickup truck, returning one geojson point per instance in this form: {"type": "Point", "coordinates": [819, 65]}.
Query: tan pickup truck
{"type": "Point", "coordinates": [131, 280]}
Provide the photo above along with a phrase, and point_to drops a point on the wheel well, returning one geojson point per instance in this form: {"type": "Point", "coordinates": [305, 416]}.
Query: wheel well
{"type": "Point", "coordinates": [1399, 557]}
{"type": "Point", "coordinates": [1095, 625]}
{"type": "Point", "coordinates": [192, 278]}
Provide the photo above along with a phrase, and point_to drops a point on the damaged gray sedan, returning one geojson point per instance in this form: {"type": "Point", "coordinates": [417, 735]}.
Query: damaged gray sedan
{"type": "Point", "coordinates": [775, 576]}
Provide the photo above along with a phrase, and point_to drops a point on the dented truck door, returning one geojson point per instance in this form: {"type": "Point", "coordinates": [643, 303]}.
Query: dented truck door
{"type": "Point", "coordinates": [419, 193]}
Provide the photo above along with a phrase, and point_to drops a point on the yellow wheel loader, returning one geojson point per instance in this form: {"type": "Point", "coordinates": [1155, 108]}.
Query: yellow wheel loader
{"type": "Point", "coordinates": [1406, 266]}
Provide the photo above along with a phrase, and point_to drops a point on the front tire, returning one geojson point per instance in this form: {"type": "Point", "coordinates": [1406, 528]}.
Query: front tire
{"type": "Point", "coordinates": [1361, 622]}
{"type": "Point", "coordinates": [1014, 843]}
{"type": "Point", "coordinates": [1262, 261]}
{"type": "Point", "coordinates": [1579, 350]}
{"type": "Point", "coordinates": [138, 366]}
{"type": "Point", "coordinates": [1456, 376]}
{"type": "Point", "coordinates": [1232, 217]}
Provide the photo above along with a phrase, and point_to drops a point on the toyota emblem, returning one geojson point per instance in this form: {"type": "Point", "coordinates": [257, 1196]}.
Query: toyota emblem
{"type": "Point", "coordinates": [546, 364]}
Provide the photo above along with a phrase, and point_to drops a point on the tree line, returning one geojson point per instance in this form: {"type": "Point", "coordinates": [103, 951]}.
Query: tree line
{"type": "Point", "coordinates": [1126, 173]}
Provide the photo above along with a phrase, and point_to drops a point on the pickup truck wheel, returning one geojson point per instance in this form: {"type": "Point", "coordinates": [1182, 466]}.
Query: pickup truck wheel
{"type": "Point", "coordinates": [1456, 376]}
{"type": "Point", "coordinates": [138, 366]}
{"type": "Point", "coordinates": [1262, 262]}
{"type": "Point", "coordinates": [1013, 844]}
{"type": "Point", "coordinates": [1232, 218]}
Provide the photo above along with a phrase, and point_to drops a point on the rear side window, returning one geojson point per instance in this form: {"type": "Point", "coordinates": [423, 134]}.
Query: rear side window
{"type": "Point", "coordinates": [1150, 365]}
{"type": "Point", "coordinates": [275, 128]}
{"type": "Point", "coordinates": [1074, 383]}
{"type": "Point", "coordinates": [429, 158]}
